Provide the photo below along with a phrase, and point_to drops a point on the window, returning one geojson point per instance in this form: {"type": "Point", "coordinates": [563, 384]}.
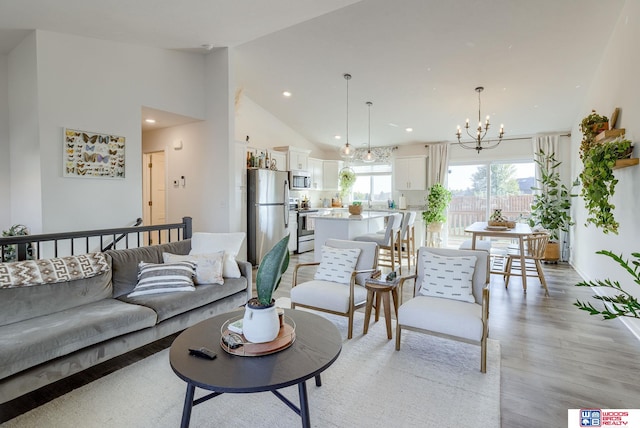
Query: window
{"type": "Point", "coordinates": [476, 194]}
{"type": "Point", "coordinates": [373, 183]}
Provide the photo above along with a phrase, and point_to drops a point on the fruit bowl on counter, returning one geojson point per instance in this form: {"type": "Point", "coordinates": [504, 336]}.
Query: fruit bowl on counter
{"type": "Point", "coordinates": [355, 209]}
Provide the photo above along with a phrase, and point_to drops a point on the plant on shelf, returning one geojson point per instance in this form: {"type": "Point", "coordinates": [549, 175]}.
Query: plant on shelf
{"type": "Point", "coordinates": [599, 183]}
{"type": "Point", "coordinates": [551, 203]}
{"type": "Point", "coordinates": [591, 125]}
{"type": "Point", "coordinates": [620, 305]}
{"type": "Point", "coordinates": [347, 178]}
{"type": "Point", "coordinates": [438, 201]}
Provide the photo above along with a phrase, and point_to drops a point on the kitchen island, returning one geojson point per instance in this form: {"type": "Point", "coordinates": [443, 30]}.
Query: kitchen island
{"type": "Point", "coordinates": [342, 225]}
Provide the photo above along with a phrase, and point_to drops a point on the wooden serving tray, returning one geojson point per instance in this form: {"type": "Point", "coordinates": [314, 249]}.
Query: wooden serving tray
{"type": "Point", "coordinates": [285, 338]}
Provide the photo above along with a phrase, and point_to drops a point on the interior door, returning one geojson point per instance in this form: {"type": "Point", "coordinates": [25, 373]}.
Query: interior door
{"type": "Point", "coordinates": [155, 193]}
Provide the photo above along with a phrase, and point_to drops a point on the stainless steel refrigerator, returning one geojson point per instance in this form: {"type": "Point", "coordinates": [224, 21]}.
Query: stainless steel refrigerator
{"type": "Point", "coordinates": [268, 211]}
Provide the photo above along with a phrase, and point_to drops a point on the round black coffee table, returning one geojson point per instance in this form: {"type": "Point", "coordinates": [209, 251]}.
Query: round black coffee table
{"type": "Point", "coordinates": [317, 345]}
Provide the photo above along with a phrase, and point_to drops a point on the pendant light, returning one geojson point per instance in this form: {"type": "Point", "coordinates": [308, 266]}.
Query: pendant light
{"type": "Point", "coordinates": [368, 158]}
{"type": "Point", "coordinates": [346, 151]}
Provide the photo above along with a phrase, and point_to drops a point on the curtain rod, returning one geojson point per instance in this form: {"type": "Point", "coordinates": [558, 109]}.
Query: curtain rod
{"type": "Point", "coordinates": [510, 139]}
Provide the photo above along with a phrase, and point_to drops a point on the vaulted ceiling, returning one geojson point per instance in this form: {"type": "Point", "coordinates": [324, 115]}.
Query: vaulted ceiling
{"type": "Point", "coordinates": [418, 61]}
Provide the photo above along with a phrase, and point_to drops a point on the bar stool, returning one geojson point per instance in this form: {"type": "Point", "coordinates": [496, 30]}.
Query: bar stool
{"type": "Point", "coordinates": [389, 248]}
{"type": "Point", "coordinates": [408, 238]}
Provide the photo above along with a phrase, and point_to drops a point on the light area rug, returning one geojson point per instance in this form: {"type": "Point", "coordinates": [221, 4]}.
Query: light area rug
{"type": "Point", "coordinates": [430, 382]}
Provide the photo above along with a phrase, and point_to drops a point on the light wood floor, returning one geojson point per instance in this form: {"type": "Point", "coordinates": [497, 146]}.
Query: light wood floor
{"type": "Point", "coordinates": [554, 357]}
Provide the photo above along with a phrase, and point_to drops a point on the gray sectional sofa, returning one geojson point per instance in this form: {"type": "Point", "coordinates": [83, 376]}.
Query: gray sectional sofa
{"type": "Point", "coordinates": [51, 331]}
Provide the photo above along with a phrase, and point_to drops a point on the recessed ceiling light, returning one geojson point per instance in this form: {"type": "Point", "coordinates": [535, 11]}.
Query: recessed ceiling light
{"type": "Point", "coordinates": [337, 137]}
{"type": "Point", "coordinates": [286, 94]}
{"type": "Point", "coordinates": [150, 120]}
{"type": "Point", "coordinates": [408, 129]}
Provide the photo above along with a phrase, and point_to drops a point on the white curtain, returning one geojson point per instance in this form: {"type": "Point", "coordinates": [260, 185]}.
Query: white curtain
{"type": "Point", "coordinates": [437, 164]}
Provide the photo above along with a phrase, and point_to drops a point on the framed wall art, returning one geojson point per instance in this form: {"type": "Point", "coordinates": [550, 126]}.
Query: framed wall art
{"type": "Point", "coordinates": [93, 155]}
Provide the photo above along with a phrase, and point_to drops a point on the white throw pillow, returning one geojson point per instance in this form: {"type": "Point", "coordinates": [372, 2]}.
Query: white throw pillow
{"type": "Point", "coordinates": [230, 243]}
{"type": "Point", "coordinates": [164, 278]}
{"type": "Point", "coordinates": [208, 266]}
{"type": "Point", "coordinates": [337, 264]}
{"type": "Point", "coordinates": [448, 277]}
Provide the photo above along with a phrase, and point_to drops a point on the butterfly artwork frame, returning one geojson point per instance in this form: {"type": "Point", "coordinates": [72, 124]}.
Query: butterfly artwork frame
{"type": "Point", "coordinates": [93, 155]}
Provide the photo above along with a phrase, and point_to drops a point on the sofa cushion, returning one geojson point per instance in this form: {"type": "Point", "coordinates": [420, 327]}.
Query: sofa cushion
{"type": "Point", "coordinates": [327, 295]}
{"type": "Point", "coordinates": [22, 303]}
{"type": "Point", "coordinates": [208, 266]}
{"type": "Point", "coordinates": [168, 305]}
{"type": "Point", "coordinates": [230, 243]}
{"type": "Point", "coordinates": [31, 342]}
{"type": "Point", "coordinates": [124, 263]}
{"type": "Point", "coordinates": [155, 278]}
{"type": "Point", "coordinates": [28, 273]}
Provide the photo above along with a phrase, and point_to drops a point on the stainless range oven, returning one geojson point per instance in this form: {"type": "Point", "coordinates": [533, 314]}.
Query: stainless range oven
{"type": "Point", "coordinates": [305, 230]}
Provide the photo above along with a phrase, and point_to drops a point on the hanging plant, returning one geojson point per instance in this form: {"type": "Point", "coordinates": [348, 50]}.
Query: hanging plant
{"type": "Point", "coordinates": [591, 126]}
{"type": "Point", "coordinates": [599, 183]}
{"type": "Point", "coordinates": [346, 181]}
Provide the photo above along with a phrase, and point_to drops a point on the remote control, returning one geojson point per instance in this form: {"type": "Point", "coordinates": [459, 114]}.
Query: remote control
{"type": "Point", "coordinates": [202, 353]}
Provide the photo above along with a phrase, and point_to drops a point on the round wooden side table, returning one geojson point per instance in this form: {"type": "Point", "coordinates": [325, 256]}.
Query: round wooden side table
{"type": "Point", "coordinates": [380, 290]}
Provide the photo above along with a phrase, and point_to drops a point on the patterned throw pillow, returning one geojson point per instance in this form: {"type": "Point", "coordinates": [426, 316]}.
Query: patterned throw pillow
{"type": "Point", "coordinates": [208, 269]}
{"type": "Point", "coordinates": [337, 264]}
{"type": "Point", "coordinates": [164, 278]}
{"type": "Point", "coordinates": [50, 271]}
{"type": "Point", "coordinates": [448, 277]}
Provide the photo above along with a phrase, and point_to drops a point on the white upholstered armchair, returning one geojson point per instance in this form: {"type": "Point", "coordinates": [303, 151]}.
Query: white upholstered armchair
{"type": "Point", "coordinates": [451, 297]}
{"type": "Point", "coordinates": [338, 284]}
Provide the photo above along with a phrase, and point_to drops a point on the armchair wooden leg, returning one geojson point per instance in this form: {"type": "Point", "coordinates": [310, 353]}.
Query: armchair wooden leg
{"type": "Point", "coordinates": [398, 332]}
{"type": "Point", "coordinates": [483, 355]}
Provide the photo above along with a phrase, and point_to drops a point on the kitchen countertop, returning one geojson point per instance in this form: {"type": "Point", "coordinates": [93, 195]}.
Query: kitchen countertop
{"type": "Point", "coordinates": [344, 215]}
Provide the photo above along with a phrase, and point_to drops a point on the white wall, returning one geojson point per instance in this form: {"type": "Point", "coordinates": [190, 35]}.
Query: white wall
{"type": "Point", "coordinates": [96, 86]}
{"type": "Point", "coordinates": [615, 85]}
{"type": "Point", "coordinates": [24, 136]}
{"type": "Point", "coordinates": [5, 176]}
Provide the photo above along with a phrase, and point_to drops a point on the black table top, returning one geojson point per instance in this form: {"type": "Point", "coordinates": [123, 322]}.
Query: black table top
{"type": "Point", "coordinates": [317, 345]}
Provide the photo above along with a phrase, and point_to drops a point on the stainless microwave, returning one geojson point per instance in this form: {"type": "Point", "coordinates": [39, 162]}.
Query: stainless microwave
{"type": "Point", "coordinates": [299, 180]}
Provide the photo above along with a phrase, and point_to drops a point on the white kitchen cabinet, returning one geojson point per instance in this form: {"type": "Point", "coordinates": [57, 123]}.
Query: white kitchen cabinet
{"type": "Point", "coordinates": [297, 159]}
{"type": "Point", "coordinates": [280, 158]}
{"type": "Point", "coordinates": [330, 174]}
{"type": "Point", "coordinates": [315, 168]}
{"type": "Point", "coordinates": [410, 173]}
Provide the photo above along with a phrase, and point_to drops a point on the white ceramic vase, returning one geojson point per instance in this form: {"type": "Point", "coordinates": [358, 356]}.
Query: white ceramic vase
{"type": "Point", "coordinates": [260, 324]}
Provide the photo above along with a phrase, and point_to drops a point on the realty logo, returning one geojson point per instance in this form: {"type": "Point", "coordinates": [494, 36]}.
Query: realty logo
{"type": "Point", "coordinates": [590, 417]}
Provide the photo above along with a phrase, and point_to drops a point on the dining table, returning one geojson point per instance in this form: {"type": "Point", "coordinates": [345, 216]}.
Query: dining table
{"type": "Point", "coordinates": [519, 232]}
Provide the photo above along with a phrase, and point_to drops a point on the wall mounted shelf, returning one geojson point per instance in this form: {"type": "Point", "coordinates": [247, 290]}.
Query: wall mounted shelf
{"type": "Point", "coordinates": [609, 134]}
{"type": "Point", "coordinates": [623, 163]}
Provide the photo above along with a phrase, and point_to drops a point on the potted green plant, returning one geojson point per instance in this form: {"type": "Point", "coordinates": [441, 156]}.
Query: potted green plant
{"type": "Point", "coordinates": [435, 213]}
{"type": "Point", "coordinates": [621, 305]}
{"type": "Point", "coordinates": [355, 208]}
{"type": "Point", "coordinates": [599, 183]}
{"type": "Point", "coordinates": [590, 126]}
{"type": "Point", "coordinates": [551, 203]}
{"type": "Point", "coordinates": [10, 251]}
{"type": "Point", "coordinates": [347, 178]}
{"type": "Point", "coordinates": [260, 322]}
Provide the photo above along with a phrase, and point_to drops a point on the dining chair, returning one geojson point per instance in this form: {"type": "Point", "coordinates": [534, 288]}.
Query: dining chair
{"type": "Point", "coordinates": [389, 248]}
{"type": "Point", "coordinates": [338, 285]}
{"type": "Point", "coordinates": [450, 297]}
{"type": "Point", "coordinates": [534, 246]}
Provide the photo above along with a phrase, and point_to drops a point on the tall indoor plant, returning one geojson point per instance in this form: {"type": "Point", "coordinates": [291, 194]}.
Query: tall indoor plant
{"type": "Point", "coordinates": [260, 323]}
{"type": "Point", "coordinates": [551, 203]}
{"type": "Point", "coordinates": [624, 304]}
{"type": "Point", "coordinates": [435, 213]}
